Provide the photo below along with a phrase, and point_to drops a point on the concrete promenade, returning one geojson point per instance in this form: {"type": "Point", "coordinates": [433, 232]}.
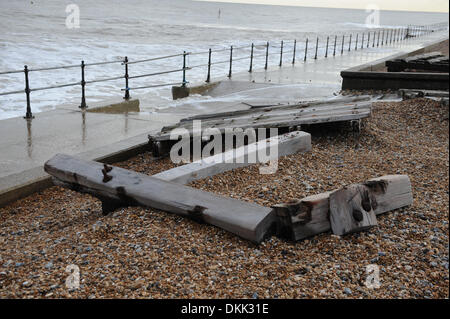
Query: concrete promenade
{"type": "Point", "coordinates": [25, 145]}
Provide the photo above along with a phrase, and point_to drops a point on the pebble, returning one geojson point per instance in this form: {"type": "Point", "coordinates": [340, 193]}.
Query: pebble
{"type": "Point", "coordinates": [186, 259]}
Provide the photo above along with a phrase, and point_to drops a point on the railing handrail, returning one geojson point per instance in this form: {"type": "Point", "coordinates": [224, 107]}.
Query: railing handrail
{"type": "Point", "coordinates": [388, 35]}
{"type": "Point", "coordinates": [188, 53]}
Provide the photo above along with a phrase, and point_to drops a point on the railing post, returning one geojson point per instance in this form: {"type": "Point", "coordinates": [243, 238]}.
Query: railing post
{"type": "Point", "coordinates": [334, 49]}
{"type": "Point", "coordinates": [326, 50]}
{"type": "Point", "coordinates": [267, 56]}
{"type": "Point", "coordinates": [184, 69]}
{"type": "Point", "coordinates": [127, 89]}
{"type": "Point", "coordinates": [362, 41]}
{"type": "Point", "coordinates": [368, 39]}
{"type": "Point", "coordinates": [356, 44]}
{"type": "Point", "coordinates": [382, 37]}
{"type": "Point", "coordinates": [317, 47]}
{"type": "Point", "coordinates": [342, 47]}
{"type": "Point", "coordinates": [231, 62]}
{"type": "Point", "coordinates": [251, 59]}
{"type": "Point", "coordinates": [374, 38]}
{"type": "Point", "coordinates": [281, 53]}
{"type": "Point", "coordinates": [83, 84]}
{"type": "Point", "coordinates": [28, 115]}
{"type": "Point", "coordinates": [208, 77]}
{"type": "Point", "coordinates": [390, 40]}
{"type": "Point", "coordinates": [306, 49]}
{"type": "Point", "coordinates": [295, 49]}
{"type": "Point", "coordinates": [350, 43]}
{"type": "Point", "coordinates": [378, 40]}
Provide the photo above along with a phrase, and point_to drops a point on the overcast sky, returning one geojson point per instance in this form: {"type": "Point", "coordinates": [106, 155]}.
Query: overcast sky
{"type": "Point", "coordinates": [406, 5]}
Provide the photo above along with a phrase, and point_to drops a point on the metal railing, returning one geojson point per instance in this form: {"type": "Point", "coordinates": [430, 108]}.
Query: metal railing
{"type": "Point", "coordinates": [332, 46]}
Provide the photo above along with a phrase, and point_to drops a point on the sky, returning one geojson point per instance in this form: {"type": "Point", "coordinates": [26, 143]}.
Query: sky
{"type": "Point", "coordinates": [403, 5]}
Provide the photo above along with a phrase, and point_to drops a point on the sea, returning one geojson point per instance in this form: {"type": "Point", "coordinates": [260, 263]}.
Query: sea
{"type": "Point", "coordinates": [47, 33]}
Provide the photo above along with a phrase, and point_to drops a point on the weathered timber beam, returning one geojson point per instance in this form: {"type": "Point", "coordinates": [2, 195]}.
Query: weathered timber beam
{"type": "Point", "coordinates": [311, 215]}
{"type": "Point", "coordinates": [411, 93]}
{"type": "Point", "coordinates": [351, 209]}
{"type": "Point", "coordinates": [286, 121]}
{"type": "Point", "coordinates": [286, 144]}
{"type": "Point", "coordinates": [117, 187]}
{"type": "Point", "coordinates": [267, 108]}
{"type": "Point", "coordinates": [250, 115]}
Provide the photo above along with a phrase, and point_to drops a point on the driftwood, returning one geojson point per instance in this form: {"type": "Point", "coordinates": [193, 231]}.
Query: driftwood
{"type": "Point", "coordinates": [275, 117]}
{"type": "Point", "coordinates": [407, 94]}
{"type": "Point", "coordinates": [286, 144]}
{"type": "Point", "coordinates": [254, 109]}
{"type": "Point", "coordinates": [311, 215]}
{"type": "Point", "coordinates": [433, 62]}
{"type": "Point", "coordinates": [351, 209]}
{"type": "Point", "coordinates": [117, 187]}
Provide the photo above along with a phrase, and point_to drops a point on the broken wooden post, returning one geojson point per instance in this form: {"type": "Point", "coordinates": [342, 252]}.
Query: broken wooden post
{"type": "Point", "coordinates": [127, 188]}
{"type": "Point", "coordinates": [351, 210]}
{"type": "Point", "coordinates": [311, 215]}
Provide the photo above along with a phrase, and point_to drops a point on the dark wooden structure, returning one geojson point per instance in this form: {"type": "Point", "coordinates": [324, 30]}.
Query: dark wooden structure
{"type": "Point", "coordinates": [428, 62]}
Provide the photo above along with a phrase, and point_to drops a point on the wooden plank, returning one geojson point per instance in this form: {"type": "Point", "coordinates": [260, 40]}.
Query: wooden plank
{"type": "Point", "coordinates": [424, 56]}
{"type": "Point", "coordinates": [286, 144]}
{"type": "Point", "coordinates": [267, 108]}
{"type": "Point", "coordinates": [117, 187]}
{"type": "Point", "coordinates": [286, 120]}
{"type": "Point", "coordinates": [279, 116]}
{"type": "Point", "coordinates": [397, 192]}
{"type": "Point", "coordinates": [433, 61]}
{"type": "Point", "coordinates": [410, 93]}
{"type": "Point", "coordinates": [389, 192]}
{"type": "Point", "coordinates": [351, 210]}
{"type": "Point", "coordinates": [441, 59]}
{"type": "Point", "coordinates": [303, 218]}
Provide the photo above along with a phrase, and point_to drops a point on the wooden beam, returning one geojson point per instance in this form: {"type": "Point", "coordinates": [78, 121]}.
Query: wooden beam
{"type": "Point", "coordinates": [340, 109]}
{"type": "Point", "coordinates": [276, 120]}
{"type": "Point", "coordinates": [266, 108]}
{"type": "Point", "coordinates": [351, 210]}
{"type": "Point", "coordinates": [311, 215]}
{"type": "Point", "coordinates": [117, 187]}
{"type": "Point", "coordinates": [286, 144]}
